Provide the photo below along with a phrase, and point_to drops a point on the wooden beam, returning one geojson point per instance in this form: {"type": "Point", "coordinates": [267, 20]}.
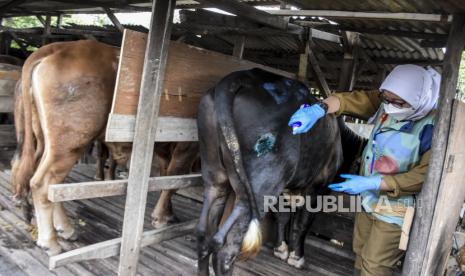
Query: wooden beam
{"type": "Point", "coordinates": [433, 43]}
{"type": "Point", "coordinates": [302, 75]}
{"type": "Point", "coordinates": [248, 12]}
{"type": "Point", "coordinates": [59, 20]}
{"type": "Point", "coordinates": [19, 41]}
{"type": "Point", "coordinates": [47, 29]}
{"type": "Point", "coordinates": [9, 5]}
{"type": "Point", "coordinates": [316, 69]}
{"type": "Point", "coordinates": [70, 31]}
{"type": "Point", "coordinates": [94, 189]}
{"type": "Point", "coordinates": [365, 15]}
{"type": "Point", "coordinates": [114, 19]}
{"type": "Point", "coordinates": [146, 126]}
{"type": "Point", "coordinates": [41, 19]}
{"type": "Point", "coordinates": [121, 5]}
{"type": "Point", "coordinates": [239, 45]}
{"type": "Point", "coordinates": [112, 247]}
{"type": "Point", "coordinates": [325, 36]}
{"type": "Point", "coordinates": [407, 61]}
{"type": "Point", "coordinates": [387, 32]}
{"type": "Point", "coordinates": [417, 259]}
{"type": "Point", "coordinates": [120, 128]}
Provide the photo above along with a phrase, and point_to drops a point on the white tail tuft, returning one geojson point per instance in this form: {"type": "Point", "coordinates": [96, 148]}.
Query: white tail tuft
{"type": "Point", "coordinates": [252, 241]}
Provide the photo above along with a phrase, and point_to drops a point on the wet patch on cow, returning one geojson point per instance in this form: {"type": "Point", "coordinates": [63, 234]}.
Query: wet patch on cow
{"type": "Point", "coordinates": [264, 144]}
{"type": "Point", "coordinates": [280, 96]}
{"type": "Point", "coordinates": [283, 90]}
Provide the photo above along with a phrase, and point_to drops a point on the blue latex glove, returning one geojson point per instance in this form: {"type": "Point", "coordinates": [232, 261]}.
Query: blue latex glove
{"type": "Point", "coordinates": [356, 184]}
{"type": "Point", "coordinates": [304, 118]}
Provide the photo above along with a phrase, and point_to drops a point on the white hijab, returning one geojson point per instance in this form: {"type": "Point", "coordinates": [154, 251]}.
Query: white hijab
{"type": "Point", "coordinates": [417, 86]}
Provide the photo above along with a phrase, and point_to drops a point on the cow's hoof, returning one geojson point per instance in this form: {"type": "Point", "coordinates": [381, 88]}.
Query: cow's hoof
{"type": "Point", "coordinates": [282, 252]}
{"type": "Point", "coordinates": [160, 222]}
{"type": "Point", "coordinates": [71, 235]}
{"type": "Point", "coordinates": [295, 261]}
{"type": "Point", "coordinates": [52, 248]}
{"type": "Point", "coordinates": [217, 241]}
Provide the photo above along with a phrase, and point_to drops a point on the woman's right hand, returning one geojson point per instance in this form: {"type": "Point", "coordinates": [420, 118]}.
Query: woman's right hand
{"type": "Point", "coordinates": [304, 118]}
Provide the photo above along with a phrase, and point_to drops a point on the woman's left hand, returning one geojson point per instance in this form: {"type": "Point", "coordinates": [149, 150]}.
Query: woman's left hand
{"type": "Point", "coordinates": [356, 184]}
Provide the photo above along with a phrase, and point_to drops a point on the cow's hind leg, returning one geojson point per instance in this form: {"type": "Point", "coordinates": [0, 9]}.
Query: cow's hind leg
{"type": "Point", "coordinates": [281, 249]}
{"type": "Point", "coordinates": [52, 170]}
{"type": "Point", "coordinates": [213, 206]}
{"type": "Point", "coordinates": [224, 259]}
{"type": "Point", "coordinates": [300, 226]}
{"type": "Point", "coordinates": [182, 158]}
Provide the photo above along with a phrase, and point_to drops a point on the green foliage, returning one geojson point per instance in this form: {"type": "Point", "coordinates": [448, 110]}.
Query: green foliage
{"type": "Point", "coordinates": [22, 22]}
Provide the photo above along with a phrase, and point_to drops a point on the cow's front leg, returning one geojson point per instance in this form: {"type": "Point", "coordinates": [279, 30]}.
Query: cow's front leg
{"type": "Point", "coordinates": [62, 224]}
{"type": "Point", "coordinates": [281, 249]}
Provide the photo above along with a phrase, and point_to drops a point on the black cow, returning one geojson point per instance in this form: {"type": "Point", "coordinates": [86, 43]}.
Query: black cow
{"type": "Point", "coordinates": [246, 147]}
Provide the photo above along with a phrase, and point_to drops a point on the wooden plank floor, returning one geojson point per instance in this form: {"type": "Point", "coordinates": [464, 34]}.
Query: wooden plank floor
{"type": "Point", "coordinates": [101, 219]}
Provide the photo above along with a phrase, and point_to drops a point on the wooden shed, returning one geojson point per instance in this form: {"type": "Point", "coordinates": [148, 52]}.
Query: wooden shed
{"type": "Point", "coordinates": [332, 46]}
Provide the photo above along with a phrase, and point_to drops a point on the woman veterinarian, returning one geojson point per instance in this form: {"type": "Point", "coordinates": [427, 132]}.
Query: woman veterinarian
{"type": "Point", "coordinates": [395, 160]}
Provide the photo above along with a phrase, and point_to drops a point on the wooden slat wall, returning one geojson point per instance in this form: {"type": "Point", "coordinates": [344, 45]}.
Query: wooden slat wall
{"type": "Point", "coordinates": [190, 72]}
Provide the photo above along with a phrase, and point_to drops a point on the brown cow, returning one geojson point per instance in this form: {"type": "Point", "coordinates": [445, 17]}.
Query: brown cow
{"type": "Point", "coordinates": [66, 108]}
{"type": "Point", "coordinates": [169, 158]}
{"type": "Point", "coordinates": [173, 159]}
{"type": "Point", "coordinates": [66, 96]}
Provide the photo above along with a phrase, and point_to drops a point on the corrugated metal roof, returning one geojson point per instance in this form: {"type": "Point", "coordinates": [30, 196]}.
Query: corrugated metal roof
{"type": "Point", "coordinates": [384, 42]}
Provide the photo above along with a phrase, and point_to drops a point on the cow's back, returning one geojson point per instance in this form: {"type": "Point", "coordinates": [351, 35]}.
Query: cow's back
{"type": "Point", "coordinates": [73, 89]}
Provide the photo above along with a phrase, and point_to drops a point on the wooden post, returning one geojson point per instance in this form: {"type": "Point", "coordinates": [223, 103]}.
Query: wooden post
{"type": "Point", "coordinates": [303, 67]}
{"type": "Point", "coordinates": [380, 76]}
{"type": "Point", "coordinates": [350, 61]}
{"type": "Point", "coordinates": [47, 29]}
{"type": "Point", "coordinates": [239, 44]}
{"type": "Point", "coordinates": [316, 69]}
{"type": "Point", "coordinates": [418, 260]}
{"type": "Point", "coordinates": [59, 20]}
{"type": "Point", "coordinates": [146, 125]}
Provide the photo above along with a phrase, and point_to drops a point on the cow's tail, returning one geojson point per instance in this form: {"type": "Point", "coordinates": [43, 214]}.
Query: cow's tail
{"type": "Point", "coordinates": [225, 92]}
{"type": "Point", "coordinates": [24, 164]}
{"type": "Point", "coordinates": [19, 130]}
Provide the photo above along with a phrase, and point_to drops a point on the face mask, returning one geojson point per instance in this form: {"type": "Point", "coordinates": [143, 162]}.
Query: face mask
{"type": "Point", "coordinates": [398, 113]}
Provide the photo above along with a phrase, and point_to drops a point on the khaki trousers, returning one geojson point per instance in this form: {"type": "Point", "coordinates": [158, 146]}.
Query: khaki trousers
{"type": "Point", "coordinates": [376, 244]}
